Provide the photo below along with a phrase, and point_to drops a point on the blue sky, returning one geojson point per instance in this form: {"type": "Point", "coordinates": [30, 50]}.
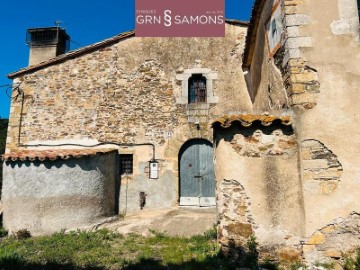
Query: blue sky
{"type": "Point", "coordinates": [85, 21]}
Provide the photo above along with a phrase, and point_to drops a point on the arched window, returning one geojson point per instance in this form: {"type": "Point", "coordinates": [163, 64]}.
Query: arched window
{"type": "Point", "coordinates": [197, 89]}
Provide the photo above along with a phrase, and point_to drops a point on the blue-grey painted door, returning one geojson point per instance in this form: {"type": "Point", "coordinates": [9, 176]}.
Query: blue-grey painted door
{"type": "Point", "coordinates": [197, 177]}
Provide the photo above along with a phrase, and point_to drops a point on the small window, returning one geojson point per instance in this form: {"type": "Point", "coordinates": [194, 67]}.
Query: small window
{"type": "Point", "coordinates": [126, 164]}
{"type": "Point", "coordinates": [197, 89]}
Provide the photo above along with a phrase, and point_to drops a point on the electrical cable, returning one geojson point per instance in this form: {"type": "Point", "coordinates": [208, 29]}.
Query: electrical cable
{"type": "Point", "coordinates": [10, 86]}
{"type": "Point", "coordinates": [7, 93]}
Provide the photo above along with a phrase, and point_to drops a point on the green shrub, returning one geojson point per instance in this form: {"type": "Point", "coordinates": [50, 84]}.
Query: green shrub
{"type": "Point", "coordinates": [326, 265]}
{"type": "Point", "coordinates": [297, 266]}
{"type": "Point", "coordinates": [269, 265]}
{"type": "Point", "coordinates": [3, 232]}
{"type": "Point", "coordinates": [211, 234]}
{"type": "Point", "coordinates": [252, 258]}
{"type": "Point", "coordinates": [23, 234]}
{"type": "Point", "coordinates": [3, 132]}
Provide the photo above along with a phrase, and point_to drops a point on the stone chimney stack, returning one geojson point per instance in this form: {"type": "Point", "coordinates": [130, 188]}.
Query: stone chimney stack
{"type": "Point", "coordinates": [46, 43]}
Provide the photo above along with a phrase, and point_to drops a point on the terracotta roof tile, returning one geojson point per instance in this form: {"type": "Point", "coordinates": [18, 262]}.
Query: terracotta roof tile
{"type": "Point", "coordinates": [247, 120]}
{"type": "Point", "coordinates": [53, 154]}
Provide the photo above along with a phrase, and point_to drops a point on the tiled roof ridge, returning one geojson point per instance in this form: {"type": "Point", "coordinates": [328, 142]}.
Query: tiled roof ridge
{"type": "Point", "coordinates": [73, 54]}
{"type": "Point", "coordinates": [53, 154]}
{"type": "Point", "coordinates": [247, 120]}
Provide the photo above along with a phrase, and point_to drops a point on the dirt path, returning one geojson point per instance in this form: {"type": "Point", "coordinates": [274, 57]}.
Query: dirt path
{"type": "Point", "coordinates": [175, 221]}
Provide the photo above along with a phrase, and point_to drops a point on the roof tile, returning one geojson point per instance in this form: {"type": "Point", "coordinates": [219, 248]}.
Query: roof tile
{"type": "Point", "coordinates": [53, 154]}
{"type": "Point", "coordinates": [247, 120]}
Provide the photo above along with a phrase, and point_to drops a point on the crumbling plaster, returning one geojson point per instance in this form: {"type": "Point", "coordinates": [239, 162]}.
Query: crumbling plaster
{"type": "Point", "coordinates": [321, 74]}
{"type": "Point", "coordinates": [272, 186]}
{"type": "Point", "coordinates": [319, 69]}
{"type": "Point", "coordinates": [348, 22]}
{"type": "Point", "coordinates": [331, 121]}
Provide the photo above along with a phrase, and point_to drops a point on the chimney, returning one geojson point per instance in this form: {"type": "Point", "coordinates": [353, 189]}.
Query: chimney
{"type": "Point", "coordinates": [46, 43]}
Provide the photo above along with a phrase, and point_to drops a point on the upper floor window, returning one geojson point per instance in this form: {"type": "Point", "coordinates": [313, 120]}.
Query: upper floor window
{"type": "Point", "coordinates": [197, 86]}
{"type": "Point", "coordinates": [197, 89]}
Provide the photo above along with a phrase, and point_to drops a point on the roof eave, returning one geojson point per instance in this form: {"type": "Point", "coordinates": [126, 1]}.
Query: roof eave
{"type": "Point", "coordinates": [237, 22]}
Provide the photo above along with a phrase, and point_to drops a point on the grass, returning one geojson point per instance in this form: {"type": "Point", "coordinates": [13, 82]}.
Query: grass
{"type": "Point", "coordinates": [104, 249]}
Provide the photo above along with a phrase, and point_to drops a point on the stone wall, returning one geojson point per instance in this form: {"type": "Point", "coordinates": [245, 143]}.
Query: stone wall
{"type": "Point", "coordinates": [48, 196]}
{"type": "Point", "coordinates": [284, 79]}
{"type": "Point", "coordinates": [95, 99]}
{"type": "Point", "coordinates": [127, 92]}
{"type": "Point", "coordinates": [334, 242]}
{"type": "Point", "coordinates": [261, 145]}
{"type": "Point", "coordinates": [235, 221]}
{"type": "Point", "coordinates": [119, 94]}
{"type": "Point", "coordinates": [321, 170]}
{"type": "Point", "coordinates": [300, 78]}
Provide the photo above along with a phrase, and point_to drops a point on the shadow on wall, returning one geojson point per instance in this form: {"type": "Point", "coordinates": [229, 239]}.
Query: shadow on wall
{"type": "Point", "coordinates": [236, 128]}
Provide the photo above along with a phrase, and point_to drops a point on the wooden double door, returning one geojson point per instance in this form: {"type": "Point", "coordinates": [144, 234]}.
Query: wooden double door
{"type": "Point", "coordinates": [197, 177]}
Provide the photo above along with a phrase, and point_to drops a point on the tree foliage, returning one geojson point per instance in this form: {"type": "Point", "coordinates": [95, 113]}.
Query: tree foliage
{"type": "Point", "coordinates": [3, 133]}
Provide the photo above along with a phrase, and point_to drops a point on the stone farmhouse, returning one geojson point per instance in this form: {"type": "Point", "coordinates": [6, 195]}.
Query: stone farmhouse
{"type": "Point", "coordinates": [253, 123]}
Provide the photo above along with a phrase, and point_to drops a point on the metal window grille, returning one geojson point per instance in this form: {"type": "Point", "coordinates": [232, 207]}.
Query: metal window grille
{"type": "Point", "coordinates": [126, 164]}
{"type": "Point", "coordinates": [197, 89]}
